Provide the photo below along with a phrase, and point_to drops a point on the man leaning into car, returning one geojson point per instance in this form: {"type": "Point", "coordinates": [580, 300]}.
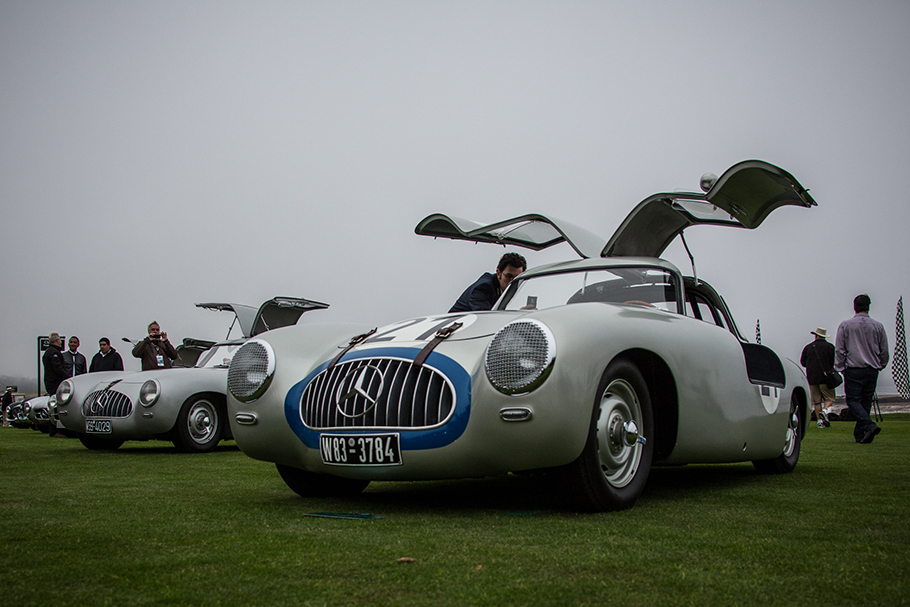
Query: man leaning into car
{"type": "Point", "coordinates": [482, 295]}
{"type": "Point", "coordinates": [155, 351]}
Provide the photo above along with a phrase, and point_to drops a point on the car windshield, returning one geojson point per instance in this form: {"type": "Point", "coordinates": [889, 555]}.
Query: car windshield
{"type": "Point", "coordinates": [217, 356]}
{"type": "Point", "coordinates": [648, 286]}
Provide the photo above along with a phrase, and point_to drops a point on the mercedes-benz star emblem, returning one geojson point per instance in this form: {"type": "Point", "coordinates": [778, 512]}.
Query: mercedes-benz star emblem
{"type": "Point", "coordinates": [358, 382]}
{"type": "Point", "coordinates": [99, 402]}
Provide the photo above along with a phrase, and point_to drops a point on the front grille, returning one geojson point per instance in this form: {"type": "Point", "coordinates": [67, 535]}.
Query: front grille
{"type": "Point", "coordinates": [381, 393]}
{"type": "Point", "coordinates": [107, 403]}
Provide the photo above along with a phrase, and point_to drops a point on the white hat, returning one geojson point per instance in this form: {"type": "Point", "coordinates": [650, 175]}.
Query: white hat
{"type": "Point", "coordinates": [823, 333]}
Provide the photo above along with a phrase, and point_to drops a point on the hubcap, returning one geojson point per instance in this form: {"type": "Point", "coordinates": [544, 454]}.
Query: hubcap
{"type": "Point", "coordinates": [618, 426]}
{"type": "Point", "coordinates": [792, 430]}
{"type": "Point", "coordinates": [202, 421]}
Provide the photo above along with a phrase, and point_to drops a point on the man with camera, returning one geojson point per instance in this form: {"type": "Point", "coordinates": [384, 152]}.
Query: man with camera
{"type": "Point", "coordinates": [155, 351]}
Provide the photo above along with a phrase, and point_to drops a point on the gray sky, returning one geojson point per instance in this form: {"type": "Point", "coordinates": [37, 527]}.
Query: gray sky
{"type": "Point", "coordinates": [158, 154]}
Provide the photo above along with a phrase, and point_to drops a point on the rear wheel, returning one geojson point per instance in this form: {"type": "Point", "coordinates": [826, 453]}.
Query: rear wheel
{"type": "Point", "coordinates": [200, 424]}
{"type": "Point", "coordinates": [613, 468]}
{"type": "Point", "coordinates": [786, 461]}
{"type": "Point", "coordinates": [96, 443]}
{"type": "Point", "coordinates": [309, 484]}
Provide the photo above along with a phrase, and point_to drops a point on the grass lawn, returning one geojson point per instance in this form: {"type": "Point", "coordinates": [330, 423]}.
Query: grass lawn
{"type": "Point", "coordinates": [146, 525]}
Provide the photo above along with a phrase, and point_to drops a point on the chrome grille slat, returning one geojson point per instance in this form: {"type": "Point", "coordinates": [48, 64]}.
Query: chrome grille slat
{"type": "Point", "coordinates": [114, 404]}
{"type": "Point", "coordinates": [410, 397]}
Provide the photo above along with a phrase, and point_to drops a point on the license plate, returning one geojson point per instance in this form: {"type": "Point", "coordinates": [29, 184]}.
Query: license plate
{"type": "Point", "coordinates": [360, 449]}
{"type": "Point", "coordinates": [97, 426]}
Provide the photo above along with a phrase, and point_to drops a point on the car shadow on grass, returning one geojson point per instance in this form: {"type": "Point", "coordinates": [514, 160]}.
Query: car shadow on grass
{"type": "Point", "coordinates": [523, 495]}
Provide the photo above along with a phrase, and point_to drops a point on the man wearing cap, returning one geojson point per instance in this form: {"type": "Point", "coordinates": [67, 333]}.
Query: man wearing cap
{"type": "Point", "coordinates": [818, 359]}
{"type": "Point", "coordinates": [861, 351]}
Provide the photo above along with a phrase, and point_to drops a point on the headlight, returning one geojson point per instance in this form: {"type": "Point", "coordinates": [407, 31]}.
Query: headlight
{"type": "Point", "coordinates": [27, 408]}
{"type": "Point", "coordinates": [251, 370]}
{"type": "Point", "coordinates": [520, 356]}
{"type": "Point", "coordinates": [149, 393]}
{"type": "Point", "coordinates": [65, 392]}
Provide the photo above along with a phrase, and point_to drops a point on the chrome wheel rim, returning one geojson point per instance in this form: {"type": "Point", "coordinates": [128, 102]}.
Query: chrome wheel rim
{"type": "Point", "coordinates": [792, 431]}
{"type": "Point", "coordinates": [202, 421]}
{"type": "Point", "coordinates": [618, 422]}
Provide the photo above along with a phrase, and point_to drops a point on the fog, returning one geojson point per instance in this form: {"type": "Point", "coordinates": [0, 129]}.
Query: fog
{"type": "Point", "coordinates": [154, 155]}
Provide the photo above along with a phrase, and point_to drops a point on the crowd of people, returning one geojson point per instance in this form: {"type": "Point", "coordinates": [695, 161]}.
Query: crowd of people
{"type": "Point", "coordinates": [155, 351]}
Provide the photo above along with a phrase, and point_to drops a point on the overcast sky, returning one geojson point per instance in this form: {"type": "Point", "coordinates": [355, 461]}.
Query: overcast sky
{"type": "Point", "coordinates": [158, 154]}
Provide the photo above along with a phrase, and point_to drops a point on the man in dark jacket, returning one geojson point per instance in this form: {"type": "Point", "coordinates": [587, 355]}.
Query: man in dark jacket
{"type": "Point", "coordinates": [107, 358]}
{"type": "Point", "coordinates": [73, 360]}
{"type": "Point", "coordinates": [54, 369]}
{"type": "Point", "coordinates": [486, 290]}
{"type": "Point", "coordinates": [155, 350]}
{"type": "Point", "coordinates": [818, 359]}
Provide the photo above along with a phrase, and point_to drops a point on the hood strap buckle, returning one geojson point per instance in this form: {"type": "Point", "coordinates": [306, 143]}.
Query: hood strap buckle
{"type": "Point", "coordinates": [440, 335]}
{"type": "Point", "coordinates": [357, 339]}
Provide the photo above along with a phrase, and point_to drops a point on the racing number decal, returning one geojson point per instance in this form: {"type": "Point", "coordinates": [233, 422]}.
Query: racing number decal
{"type": "Point", "coordinates": [420, 329]}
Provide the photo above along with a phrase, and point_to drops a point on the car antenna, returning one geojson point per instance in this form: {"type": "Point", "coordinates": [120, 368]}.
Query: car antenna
{"type": "Point", "coordinates": [682, 236]}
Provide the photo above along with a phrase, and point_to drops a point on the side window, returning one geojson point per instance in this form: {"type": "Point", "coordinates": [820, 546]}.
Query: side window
{"type": "Point", "coordinates": [705, 311]}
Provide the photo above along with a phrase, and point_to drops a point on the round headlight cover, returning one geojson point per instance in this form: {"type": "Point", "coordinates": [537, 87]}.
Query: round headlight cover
{"type": "Point", "coordinates": [520, 356]}
{"type": "Point", "coordinates": [149, 393]}
{"type": "Point", "coordinates": [65, 392]}
{"type": "Point", "coordinates": [251, 370]}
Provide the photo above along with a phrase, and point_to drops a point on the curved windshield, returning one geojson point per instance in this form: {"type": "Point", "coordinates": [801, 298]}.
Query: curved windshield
{"type": "Point", "coordinates": [217, 356]}
{"type": "Point", "coordinates": [644, 286]}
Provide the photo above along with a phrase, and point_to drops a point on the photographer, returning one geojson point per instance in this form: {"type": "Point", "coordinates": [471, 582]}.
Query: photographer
{"type": "Point", "coordinates": [155, 350]}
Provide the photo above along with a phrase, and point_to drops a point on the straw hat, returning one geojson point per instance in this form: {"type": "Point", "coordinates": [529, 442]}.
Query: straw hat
{"type": "Point", "coordinates": [823, 333]}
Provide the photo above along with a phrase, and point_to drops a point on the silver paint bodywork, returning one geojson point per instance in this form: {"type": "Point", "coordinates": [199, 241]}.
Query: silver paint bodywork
{"type": "Point", "coordinates": [707, 406]}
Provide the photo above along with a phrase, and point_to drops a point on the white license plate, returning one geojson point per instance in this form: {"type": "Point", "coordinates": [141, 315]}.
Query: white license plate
{"type": "Point", "coordinates": [97, 426]}
{"type": "Point", "coordinates": [360, 449]}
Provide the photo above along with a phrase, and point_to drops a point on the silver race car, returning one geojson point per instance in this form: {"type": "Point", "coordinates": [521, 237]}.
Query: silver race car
{"type": "Point", "coordinates": [592, 370]}
{"type": "Point", "coordinates": [184, 405]}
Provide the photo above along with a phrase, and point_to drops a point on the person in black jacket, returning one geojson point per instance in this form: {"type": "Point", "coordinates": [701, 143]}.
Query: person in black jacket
{"type": "Point", "coordinates": [818, 359]}
{"type": "Point", "coordinates": [54, 369]}
{"type": "Point", "coordinates": [107, 358]}
{"type": "Point", "coordinates": [486, 290]}
{"type": "Point", "coordinates": [73, 360]}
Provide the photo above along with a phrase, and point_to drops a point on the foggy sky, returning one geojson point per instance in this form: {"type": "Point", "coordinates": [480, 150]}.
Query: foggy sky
{"type": "Point", "coordinates": [158, 154]}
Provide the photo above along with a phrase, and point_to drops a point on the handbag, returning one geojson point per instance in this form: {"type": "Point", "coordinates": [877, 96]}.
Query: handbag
{"type": "Point", "coordinates": [832, 378]}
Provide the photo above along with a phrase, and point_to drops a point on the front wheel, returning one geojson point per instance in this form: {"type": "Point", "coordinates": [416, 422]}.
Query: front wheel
{"type": "Point", "coordinates": [308, 484]}
{"type": "Point", "coordinates": [613, 468]}
{"type": "Point", "coordinates": [786, 461]}
{"type": "Point", "coordinates": [200, 424]}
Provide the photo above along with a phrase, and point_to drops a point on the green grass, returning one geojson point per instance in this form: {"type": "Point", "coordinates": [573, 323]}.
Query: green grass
{"type": "Point", "coordinates": [148, 526]}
